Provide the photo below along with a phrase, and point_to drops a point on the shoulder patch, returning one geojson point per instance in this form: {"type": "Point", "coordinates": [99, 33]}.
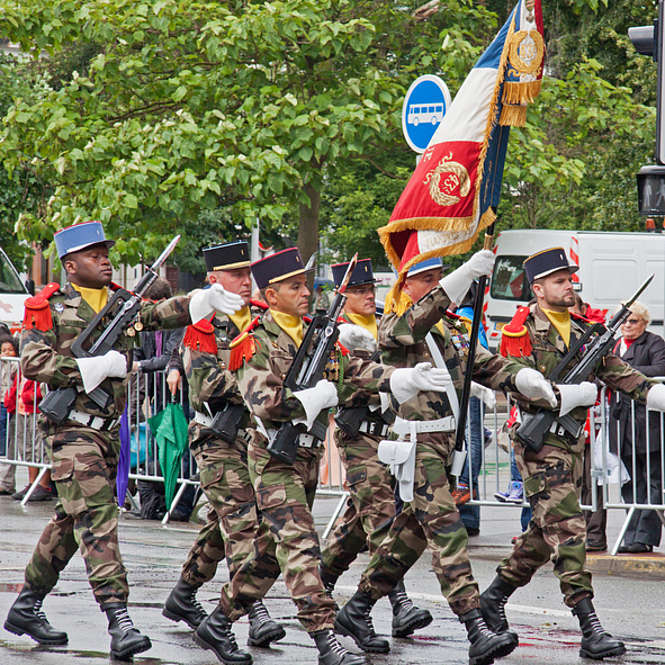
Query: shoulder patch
{"type": "Point", "coordinates": [37, 313]}
{"type": "Point", "coordinates": [200, 336]}
{"type": "Point", "coordinates": [515, 341]}
{"type": "Point", "coordinates": [243, 346]}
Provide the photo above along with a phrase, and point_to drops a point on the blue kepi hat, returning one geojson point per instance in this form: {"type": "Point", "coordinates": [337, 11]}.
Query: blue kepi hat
{"type": "Point", "coordinates": [278, 266]}
{"type": "Point", "coordinates": [427, 264]}
{"type": "Point", "coordinates": [546, 262]}
{"type": "Point", "coordinates": [80, 236]}
{"type": "Point", "coordinates": [362, 273]}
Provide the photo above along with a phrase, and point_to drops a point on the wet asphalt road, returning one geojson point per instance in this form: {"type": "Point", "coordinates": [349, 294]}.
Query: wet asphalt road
{"type": "Point", "coordinates": [633, 609]}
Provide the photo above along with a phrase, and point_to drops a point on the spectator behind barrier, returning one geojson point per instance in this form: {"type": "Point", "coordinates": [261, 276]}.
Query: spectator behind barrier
{"type": "Point", "coordinates": [644, 351]}
{"type": "Point", "coordinates": [8, 348]}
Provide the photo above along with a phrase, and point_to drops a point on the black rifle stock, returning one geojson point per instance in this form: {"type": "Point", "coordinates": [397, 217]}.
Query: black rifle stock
{"type": "Point", "coordinates": [601, 341]}
{"type": "Point", "coordinates": [307, 369]}
{"type": "Point", "coordinates": [112, 320]}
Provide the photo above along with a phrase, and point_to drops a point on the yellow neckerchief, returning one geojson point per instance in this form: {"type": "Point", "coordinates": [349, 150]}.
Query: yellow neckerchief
{"type": "Point", "coordinates": [561, 321]}
{"type": "Point", "coordinates": [290, 324]}
{"type": "Point", "coordinates": [366, 321]}
{"type": "Point", "coordinates": [96, 298]}
{"type": "Point", "coordinates": [399, 302]}
{"type": "Point", "coordinates": [242, 318]}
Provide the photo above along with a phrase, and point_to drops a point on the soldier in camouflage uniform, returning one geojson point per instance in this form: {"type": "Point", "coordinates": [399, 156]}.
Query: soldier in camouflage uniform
{"type": "Point", "coordinates": [220, 447]}
{"type": "Point", "coordinates": [539, 336]}
{"type": "Point", "coordinates": [285, 492]}
{"type": "Point", "coordinates": [84, 447]}
{"type": "Point", "coordinates": [417, 326]}
{"type": "Point", "coordinates": [371, 506]}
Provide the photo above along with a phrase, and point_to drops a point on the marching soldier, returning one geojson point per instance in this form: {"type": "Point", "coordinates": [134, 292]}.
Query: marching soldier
{"type": "Point", "coordinates": [371, 506]}
{"type": "Point", "coordinates": [85, 447]}
{"type": "Point", "coordinates": [538, 337]}
{"type": "Point", "coordinates": [416, 327]}
{"type": "Point", "coordinates": [218, 440]}
{"type": "Point", "coordinates": [285, 492]}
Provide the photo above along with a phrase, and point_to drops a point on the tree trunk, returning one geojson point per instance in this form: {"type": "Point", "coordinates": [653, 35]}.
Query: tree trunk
{"type": "Point", "coordinates": [308, 229]}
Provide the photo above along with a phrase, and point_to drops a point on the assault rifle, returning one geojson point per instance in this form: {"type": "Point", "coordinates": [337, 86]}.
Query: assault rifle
{"type": "Point", "coordinates": [600, 340]}
{"type": "Point", "coordinates": [307, 369]}
{"type": "Point", "coordinates": [111, 322]}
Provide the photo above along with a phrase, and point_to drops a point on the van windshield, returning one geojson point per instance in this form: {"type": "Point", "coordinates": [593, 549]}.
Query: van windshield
{"type": "Point", "coordinates": [508, 280]}
{"type": "Point", "coordinates": [9, 279]}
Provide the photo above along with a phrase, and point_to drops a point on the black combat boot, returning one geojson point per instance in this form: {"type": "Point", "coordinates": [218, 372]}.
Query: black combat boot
{"type": "Point", "coordinates": [406, 616]}
{"type": "Point", "coordinates": [355, 621]}
{"type": "Point", "coordinates": [596, 642]}
{"type": "Point", "coordinates": [126, 639]}
{"type": "Point", "coordinates": [215, 633]}
{"type": "Point", "coordinates": [331, 652]}
{"type": "Point", "coordinates": [493, 604]}
{"type": "Point", "coordinates": [262, 629]}
{"type": "Point", "coordinates": [181, 605]}
{"type": "Point", "coordinates": [26, 617]}
{"type": "Point", "coordinates": [486, 645]}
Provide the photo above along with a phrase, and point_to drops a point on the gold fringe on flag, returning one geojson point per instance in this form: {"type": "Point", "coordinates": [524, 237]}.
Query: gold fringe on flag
{"type": "Point", "coordinates": [522, 92]}
{"type": "Point", "coordinates": [513, 116]}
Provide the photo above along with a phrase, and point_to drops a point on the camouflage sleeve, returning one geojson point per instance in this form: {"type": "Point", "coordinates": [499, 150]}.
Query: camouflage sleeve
{"type": "Point", "coordinates": [495, 371]}
{"type": "Point", "coordinates": [619, 375]}
{"type": "Point", "coordinates": [41, 362]}
{"type": "Point", "coordinates": [364, 379]}
{"type": "Point", "coordinates": [415, 323]}
{"type": "Point", "coordinates": [170, 313]}
{"type": "Point", "coordinates": [208, 382]}
{"type": "Point", "coordinates": [260, 380]}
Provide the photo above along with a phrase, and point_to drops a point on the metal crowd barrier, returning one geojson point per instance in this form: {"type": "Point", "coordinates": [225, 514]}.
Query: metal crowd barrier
{"type": "Point", "coordinates": [148, 393]}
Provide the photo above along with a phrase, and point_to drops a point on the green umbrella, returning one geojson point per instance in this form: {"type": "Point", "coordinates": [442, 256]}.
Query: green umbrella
{"type": "Point", "coordinates": [170, 430]}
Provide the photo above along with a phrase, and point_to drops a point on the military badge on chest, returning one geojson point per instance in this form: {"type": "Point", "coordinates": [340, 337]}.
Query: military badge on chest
{"type": "Point", "coordinates": [331, 372]}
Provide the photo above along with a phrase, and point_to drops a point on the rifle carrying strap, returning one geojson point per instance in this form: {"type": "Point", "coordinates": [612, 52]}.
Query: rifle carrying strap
{"type": "Point", "coordinates": [437, 356]}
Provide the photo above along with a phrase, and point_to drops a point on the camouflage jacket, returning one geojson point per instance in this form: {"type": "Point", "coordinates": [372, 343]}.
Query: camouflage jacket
{"type": "Point", "coordinates": [46, 354]}
{"type": "Point", "coordinates": [548, 348]}
{"type": "Point", "coordinates": [402, 342]}
{"type": "Point", "coordinates": [260, 378]}
{"type": "Point", "coordinates": [210, 381]}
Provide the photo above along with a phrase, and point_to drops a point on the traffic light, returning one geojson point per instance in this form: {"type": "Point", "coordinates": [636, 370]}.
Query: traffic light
{"type": "Point", "coordinates": [650, 40]}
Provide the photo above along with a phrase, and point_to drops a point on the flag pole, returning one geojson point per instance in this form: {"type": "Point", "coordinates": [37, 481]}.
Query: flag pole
{"type": "Point", "coordinates": [471, 357]}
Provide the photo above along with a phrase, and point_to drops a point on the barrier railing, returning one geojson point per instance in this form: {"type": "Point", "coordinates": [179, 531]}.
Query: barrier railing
{"type": "Point", "coordinates": [147, 394]}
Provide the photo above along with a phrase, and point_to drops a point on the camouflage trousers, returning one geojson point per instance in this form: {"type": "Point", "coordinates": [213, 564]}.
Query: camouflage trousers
{"type": "Point", "coordinates": [430, 520]}
{"type": "Point", "coordinates": [552, 483]}
{"type": "Point", "coordinates": [233, 518]}
{"type": "Point", "coordinates": [370, 508]}
{"type": "Point", "coordinates": [86, 515]}
{"type": "Point", "coordinates": [287, 537]}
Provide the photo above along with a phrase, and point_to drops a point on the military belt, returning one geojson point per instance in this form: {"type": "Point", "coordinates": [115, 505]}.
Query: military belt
{"type": "Point", "coordinates": [202, 419]}
{"type": "Point", "coordinates": [374, 427]}
{"type": "Point", "coordinates": [403, 427]}
{"type": "Point", "coordinates": [305, 440]}
{"type": "Point", "coordinates": [95, 422]}
{"type": "Point", "coordinates": [559, 430]}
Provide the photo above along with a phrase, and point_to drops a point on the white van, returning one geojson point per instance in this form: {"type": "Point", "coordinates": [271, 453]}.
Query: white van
{"type": "Point", "coordinates": [13, 294]}
{"type": "Point", "coordinates": [612, 267]}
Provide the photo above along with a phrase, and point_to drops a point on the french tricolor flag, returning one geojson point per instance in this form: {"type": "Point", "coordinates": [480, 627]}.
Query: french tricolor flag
{"type": "Point", "coordinates": [455, 187]}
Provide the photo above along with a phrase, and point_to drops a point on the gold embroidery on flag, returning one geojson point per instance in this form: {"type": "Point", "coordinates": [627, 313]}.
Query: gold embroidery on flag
{"type": "Point", "coordinates": [527, 49]}
{"type": "Point", "coordinates": [442, 189]}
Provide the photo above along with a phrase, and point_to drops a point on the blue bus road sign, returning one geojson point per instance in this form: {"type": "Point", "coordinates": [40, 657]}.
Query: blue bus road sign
{"type": "Point", "coordinates": [425, 104]}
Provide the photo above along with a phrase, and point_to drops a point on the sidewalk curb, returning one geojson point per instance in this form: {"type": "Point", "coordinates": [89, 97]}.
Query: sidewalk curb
{"type": "Point", "coordinates": [650, 565]}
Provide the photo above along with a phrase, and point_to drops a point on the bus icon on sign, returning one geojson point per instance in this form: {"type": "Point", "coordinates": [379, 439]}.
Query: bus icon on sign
{"type": "Point", "coordinates": [432, 113]}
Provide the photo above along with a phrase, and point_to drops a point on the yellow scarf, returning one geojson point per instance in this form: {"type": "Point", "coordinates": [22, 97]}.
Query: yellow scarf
{"type": "Point", "coordinates": [561, 321]}
{"type": "Point", "coordinates": [96, 298]}
{"type": "Point", "coordinates": [368, 322]}
{"type": "Point", "coordinates": [290, 324]}
{"type": "Point", "coordinates": [242, 318]}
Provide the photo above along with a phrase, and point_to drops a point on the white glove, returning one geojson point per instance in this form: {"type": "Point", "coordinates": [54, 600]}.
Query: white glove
{"type": "Point", "coordinates": [484, 394]}
{"type": "Point", "coordinates": [322, 396]}
{"type": "Point", "coordinates": [458, 282]}
{"type": "Point", "coordinates": [355, 337]}
{"type": "Point", "coordinates": [576, 394]}
{"type": "Point", "coordinates": [532, 384]}
{"type": "Point", "coordinates": [656, 397]}
{"type": "Point", "coordinates": [94, 370]}
{"type": "Point", "coordinates": [204, 302]}
{"type": "Point", "coordinates": [407, 382]}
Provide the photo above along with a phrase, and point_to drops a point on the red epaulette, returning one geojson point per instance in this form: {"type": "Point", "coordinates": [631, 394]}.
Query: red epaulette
{"type": "Point", "coordinates": [452, 315]}
{"type": "Point", "coordinates": [37, 310]}
{"type": "Point", "coordinates": [579, 317]}
{"type": "Point", "coordinates": [243, 346]}
{"type": "Point", "coordinates": [259, 303]}
{"type": "Point", "coordinates": [594, 315]}
{"type": "Point", "coordinates": [342, 349]}
{"type": "Point", "coordinates": [200, 336]}
{"type": "Point", "coordinates": [515, 340]}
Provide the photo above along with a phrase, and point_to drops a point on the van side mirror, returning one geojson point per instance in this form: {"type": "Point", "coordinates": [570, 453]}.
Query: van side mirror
{"type": "Point", "coordinates": [30, 285]}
